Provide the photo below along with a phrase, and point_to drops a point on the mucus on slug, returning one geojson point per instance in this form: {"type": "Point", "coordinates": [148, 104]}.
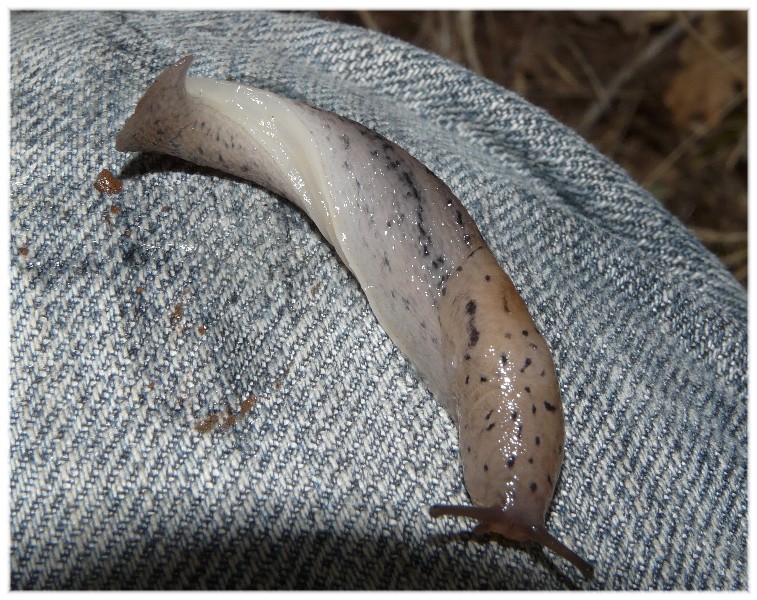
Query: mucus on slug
{"type": "Point", "coordinates": [439, 294]}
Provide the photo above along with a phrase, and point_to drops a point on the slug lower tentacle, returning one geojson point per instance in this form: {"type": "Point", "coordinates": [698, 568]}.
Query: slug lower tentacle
{"type": "Point", "coordinates": [429, 277]}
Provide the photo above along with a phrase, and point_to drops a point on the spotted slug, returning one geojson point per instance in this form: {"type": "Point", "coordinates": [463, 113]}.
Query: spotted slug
{"type": "Point", "coordinates": [431, 280]}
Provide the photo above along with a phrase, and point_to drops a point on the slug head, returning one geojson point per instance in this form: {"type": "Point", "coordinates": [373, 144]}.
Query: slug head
{"type": "Point", "coordinates": [493, 519]}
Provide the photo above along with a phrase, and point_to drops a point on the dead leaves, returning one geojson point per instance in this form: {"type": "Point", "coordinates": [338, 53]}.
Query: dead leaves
{"type": "Point", "coordinates": [714, 70]}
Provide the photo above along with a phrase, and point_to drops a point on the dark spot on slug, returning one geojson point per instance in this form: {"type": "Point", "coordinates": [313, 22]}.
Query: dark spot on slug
{"type": "Point", "coordinates": [466, 238]}
{"type": "Point", "coordinates": [470, 308]}
{"type": "Point", "coordinates": [537, 440]}
{"type": "Point", "coordinates": [514, 415]}
{"type": "Point", "coordinates": [467, 379]}
{"type": "Point", "coordinates": [534, 346]}
{"type": "Point", "coordinates": [526, 364]}
{"type": "Point", "coordinates": [489, 414]}
{"type": "Point", "coordinates": [549, 480]}
{"type": "Point", "coordinates": [525, 333]}
{"type": "Point", "coordinates": [459, 217]}
{"type": "Point", "coordinates": [511, 462]}
{"type": "Point", "coordinates": [472, 336]}
{"type": "Point", "coordinates": [550, 407]}
{"type": "Point", "coordinates": [374, 152]}
{"type": "Point", "coordinates": [411, 184]}
{"type": "Point", "coordinates": [389, 223]}
{"type": "Point", "coordinates": [519, 430]}
{"type": "Point", "coordinates": [541, 374]}
{"type": "Point", "coordinates": [508, 335]}
{"type": "Point", "coordinates": [425, 249]}
{"type": "Point", "coordinates": [345, 140]}
{"type": "Point", "coordinates": [459, 269]}
{"type": "Point", "coordinates": [528, 389]}
{"type": "Point", "coordinates": [533, 409]}
{"type": "Point", "coordinates": [530, 460]}
{"type": "Point", "coordinates": [503, 358]}
{"type": "Point", "coordinates": [466, 356]}
{"type": "Point", "coordinates": [490, 426]}
{"type": "Point", "coordinates": [483, 379]}
{"type": "Point", "coordinates": [468, 449]}
{"type": "Point", "coordinates": [532, 487]}
{"type": "Point", "coordinates": [486, 467]}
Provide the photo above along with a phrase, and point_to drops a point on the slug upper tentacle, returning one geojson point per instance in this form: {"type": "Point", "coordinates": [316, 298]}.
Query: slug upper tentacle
{"type": "Point", "coordinates": [429, 277]}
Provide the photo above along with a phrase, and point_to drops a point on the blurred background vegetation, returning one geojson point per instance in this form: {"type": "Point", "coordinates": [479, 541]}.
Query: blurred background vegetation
{"type": "Point", "coordinates": [662, 93]}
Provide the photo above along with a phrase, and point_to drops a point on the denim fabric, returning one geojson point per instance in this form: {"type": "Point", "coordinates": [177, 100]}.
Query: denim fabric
{"type": "Point", "coordinates": [137, 316]}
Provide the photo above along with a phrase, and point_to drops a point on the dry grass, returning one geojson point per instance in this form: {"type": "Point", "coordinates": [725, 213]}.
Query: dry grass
{"type": "Point", "coordinates": [662, 93]}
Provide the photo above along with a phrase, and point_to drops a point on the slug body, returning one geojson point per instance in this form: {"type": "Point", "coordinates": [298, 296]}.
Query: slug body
{"type": "Point", "coordinates": [429, 277]}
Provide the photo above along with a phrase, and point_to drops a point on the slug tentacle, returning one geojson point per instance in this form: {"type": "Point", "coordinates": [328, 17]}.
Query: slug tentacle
{"type": "Point", "coordinates": [433, 284]}
{"type": "Point", "coordinates": [493, 519]}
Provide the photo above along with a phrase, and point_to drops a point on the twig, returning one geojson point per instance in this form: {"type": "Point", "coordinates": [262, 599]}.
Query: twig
{"type": "Point", "coordinates": [739, 151]}
{"type": "Point", "coordinates": [671, 33]}
{"type": "Point", "coordinates": [445, 33]}
{"type": "Point", "coordinates": [367, 18]}
{"type": "Point", "coordinates": [735, 258]}
{"type": "Point", "coordinates": [563, 72]}
{"type": "Point", "coordinates": [626, 114]}
{"type": "Point", "coordinates": [596, 84]}
{"type": "Point", "coordinates": [467, 25]}
{"type": "Point", "coordinates": [713, 236]}
{"type": "Point", "coordinates": [741, 273]}
{"type": "Point", "coordinates": [707, 45]}
{"type": "Point", "coordinates": [690, 140]}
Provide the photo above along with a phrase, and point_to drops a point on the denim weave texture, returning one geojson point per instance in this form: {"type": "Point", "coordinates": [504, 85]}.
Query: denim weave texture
{"type": "Point", "coordinates": [192, 295]}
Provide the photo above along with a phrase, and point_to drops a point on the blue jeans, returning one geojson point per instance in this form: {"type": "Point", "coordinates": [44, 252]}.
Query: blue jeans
{"type": "Point", "coordinates": [202, 398]}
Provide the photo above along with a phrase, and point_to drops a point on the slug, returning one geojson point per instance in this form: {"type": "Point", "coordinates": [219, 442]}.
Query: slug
{"type": "Point", "coordinates": [427, 272]}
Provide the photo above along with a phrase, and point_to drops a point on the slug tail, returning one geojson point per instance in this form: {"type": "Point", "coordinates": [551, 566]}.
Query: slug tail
{"type": "Point", "coordinates": [159, 114]}
{"type": "Point", "coordinates": [496, 520]}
